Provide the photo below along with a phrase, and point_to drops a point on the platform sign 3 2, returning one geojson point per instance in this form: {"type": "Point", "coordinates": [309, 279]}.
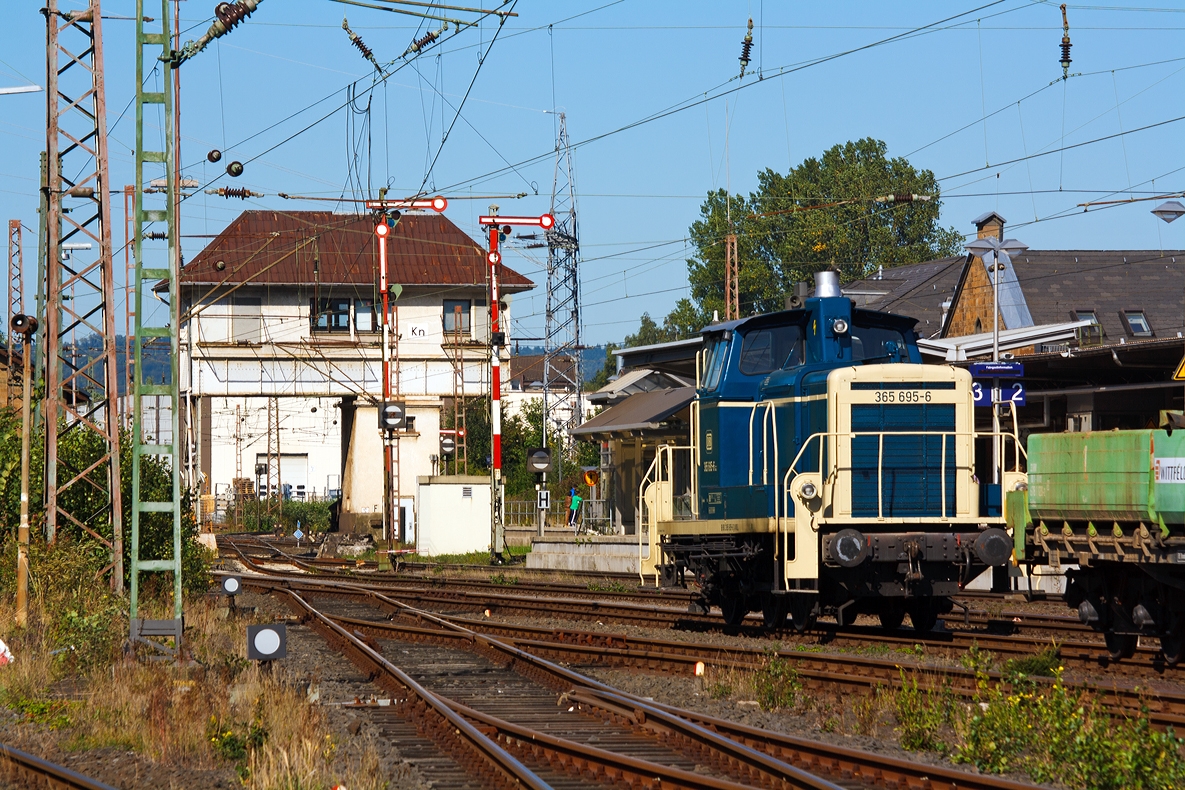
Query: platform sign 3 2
{"type": "Point", "coordinates": [1010, 391]}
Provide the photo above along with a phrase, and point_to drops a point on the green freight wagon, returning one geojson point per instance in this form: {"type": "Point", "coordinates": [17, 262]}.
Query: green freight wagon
{"type": "Point", "coordinates": [1113, 504]}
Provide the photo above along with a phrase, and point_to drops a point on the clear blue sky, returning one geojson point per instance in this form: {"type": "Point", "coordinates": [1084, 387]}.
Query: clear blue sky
{"type": "Point", "coordinates": [612, 64]}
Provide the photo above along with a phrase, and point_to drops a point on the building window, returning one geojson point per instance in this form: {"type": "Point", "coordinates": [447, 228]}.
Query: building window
{"type": "Point", "coordinates": [246, 319]}
{"type": "Point", "coordinates": [1086, 315]}
{"type": "Point", "coordinates": [330, 315]}
{"type": "Point", "coordinates": [1137, 323]}
{"type": "Point", "coordinates": [451, 308]}
{"type": "Point", "coordinates": [365, 316]}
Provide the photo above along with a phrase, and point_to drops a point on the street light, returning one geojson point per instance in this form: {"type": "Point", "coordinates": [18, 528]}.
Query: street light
{"type": "Point", "coordinates": [1169, 211]}
{"type": "Point", "coordinates": [1001, 252]}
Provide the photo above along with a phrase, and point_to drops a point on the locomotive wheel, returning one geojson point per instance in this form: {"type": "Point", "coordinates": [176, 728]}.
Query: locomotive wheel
{"type": "Point", "coordinates": [1120, 646]}
{"type": "Point", "coordinates": [923, 615]}
{"type": "Point", "coordinates": [1172, 645]}
{"type": "Point", "coordinates": [802, 613]}
{"type": "Point", "coordinates": [845, 616]}
{"type": "Point", "coordinates": [734, 608]}
{"type": "Point", "coordinates": [773, 610]}
{"type": "Point", "coordinates": [892, 616]}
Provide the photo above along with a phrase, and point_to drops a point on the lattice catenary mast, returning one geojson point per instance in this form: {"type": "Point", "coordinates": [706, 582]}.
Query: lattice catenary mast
{"type": "Point", "coordinates": [81, 389]}
{"type": "Point", "coordinates": [562, 369]}
{"type": "Point", "coordinates": [15, 306]}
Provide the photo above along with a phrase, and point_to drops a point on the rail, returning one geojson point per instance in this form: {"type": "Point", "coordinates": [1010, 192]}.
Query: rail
{"type": "Point", "coordinates": [42, 773]}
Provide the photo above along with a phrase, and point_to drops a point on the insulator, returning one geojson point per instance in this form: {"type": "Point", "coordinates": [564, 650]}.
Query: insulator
{"type": "Point", "coordinates": [231, 14]}
{"type": "Point", "coordinates": [746, 48]}
{"type": "Point", "coordinates": [242, 193]}
{"type": "Point", "coordinates": [420, 43]}
{"type": "Point", "coordinates": [357, 41]}
{"type": "Point", "coordinates": [156, 235]}
{"type": "Point", "coordinates": [1065, 61]}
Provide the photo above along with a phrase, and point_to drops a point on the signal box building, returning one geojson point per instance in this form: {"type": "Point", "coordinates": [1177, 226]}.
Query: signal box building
{"type": "Point", "coordinates": [284, 320]}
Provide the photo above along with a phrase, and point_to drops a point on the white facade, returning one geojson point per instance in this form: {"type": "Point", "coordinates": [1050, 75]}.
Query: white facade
{"type": "Point", "coordinates": [260, 342]}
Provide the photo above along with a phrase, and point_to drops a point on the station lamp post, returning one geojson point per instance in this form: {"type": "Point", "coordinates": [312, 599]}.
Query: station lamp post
{"type": "Point", "coordinates": [1001, 252]}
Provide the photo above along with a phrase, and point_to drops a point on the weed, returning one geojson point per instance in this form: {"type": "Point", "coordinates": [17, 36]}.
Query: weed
{"type": "Point", "coordinates": [54, 714]}
{"type": "Point", "coordinates": [977, 659]}
{"type": "Point", "coordinates": [719, 689]}
{"type": "Point", "coordinates": [1079, 744]}
{"type": "Point", "coordinates": [1043, 664]}
{"type": "Point", "coordinates": [921, 714]}
{"type": "Point", "coordinates": [776, 684]}
{"type": "Point", "coordinates": [609, 587]}
{"type": "Point", "coordinates": [867, 711]}
{"type": "Point", "coordinates": [503, 579]}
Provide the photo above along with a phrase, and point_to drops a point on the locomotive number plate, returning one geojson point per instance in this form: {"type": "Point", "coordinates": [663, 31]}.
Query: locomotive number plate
{"type": "Point", "coordinates": [904, 396]}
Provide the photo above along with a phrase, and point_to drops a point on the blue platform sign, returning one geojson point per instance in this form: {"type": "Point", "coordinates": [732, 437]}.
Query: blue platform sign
{"type": "Point", "coordinates": [1010, 391]}
{"type": "Point", "coordinates": [999, 370]}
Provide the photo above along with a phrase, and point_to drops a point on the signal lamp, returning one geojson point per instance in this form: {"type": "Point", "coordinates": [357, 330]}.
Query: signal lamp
{"type": "Point", "coordinates": [214, 155]}
{"type": "Point", "coordinates": [234, 169]}
{"type": "Point", "coordinates": [839, 326]}
{"type": "Point", "coordinates": [808, 490]}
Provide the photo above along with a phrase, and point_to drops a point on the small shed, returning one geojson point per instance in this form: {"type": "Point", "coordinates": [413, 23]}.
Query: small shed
{"type": "Point", "coordinates": [454, 514]}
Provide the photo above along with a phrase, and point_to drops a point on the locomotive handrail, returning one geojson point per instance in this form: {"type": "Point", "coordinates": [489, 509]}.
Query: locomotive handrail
{"type": "Point", "coordinates": [642, 518]}
{"type": "Point", "coordinates": [833, 467]}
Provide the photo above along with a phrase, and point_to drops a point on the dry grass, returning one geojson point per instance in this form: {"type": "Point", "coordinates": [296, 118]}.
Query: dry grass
{"type": "Point", "coordinates": [223, 711]}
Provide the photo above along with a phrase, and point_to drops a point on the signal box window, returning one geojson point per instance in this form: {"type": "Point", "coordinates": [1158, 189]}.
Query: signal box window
{"type": "Point", "coordinates": [450, 316]}
{"type": "Point", "coordinates": [1138, 323]}
{"type": "Point", "coordinates": [767, 350]}
{"type": "Point", "coordinates": [873, 343]}
{"type": "Point", "coordinates": [330, 315]}
{"type": "Point", "coordinates": [365, 316]}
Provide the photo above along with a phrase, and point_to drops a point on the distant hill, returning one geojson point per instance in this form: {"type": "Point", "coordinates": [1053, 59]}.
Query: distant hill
{"type": "Point", "coordinates": [592, 358]}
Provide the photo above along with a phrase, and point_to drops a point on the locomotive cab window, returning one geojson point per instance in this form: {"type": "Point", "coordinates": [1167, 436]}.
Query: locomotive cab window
{"type": "Point", "coordinates": [876, 343]}
{"type": "Point", "coordinates": [714, 363]}
{"type": "Point", "coordinates": [772, 348]}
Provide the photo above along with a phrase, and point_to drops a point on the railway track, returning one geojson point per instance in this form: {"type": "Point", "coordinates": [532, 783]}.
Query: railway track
{"type": "Point", "coordinates": [27, 770]}
{"type": "Point", "coordinates": [1006, 622]}
{"type": "Point", "coordinates": [842, 672]}
{"type": "Point", "coordinates": [596, 733]}
{"type": "Point", "coordinates": [509, 600]}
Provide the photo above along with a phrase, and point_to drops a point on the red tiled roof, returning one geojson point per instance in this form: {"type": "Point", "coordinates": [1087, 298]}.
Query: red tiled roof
{"type": "Point", "coordinates": [277, 247]}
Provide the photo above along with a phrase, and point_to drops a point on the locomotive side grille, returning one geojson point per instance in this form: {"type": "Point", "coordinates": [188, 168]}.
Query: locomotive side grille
{"type": "Point", "coordinates": [911, 475]}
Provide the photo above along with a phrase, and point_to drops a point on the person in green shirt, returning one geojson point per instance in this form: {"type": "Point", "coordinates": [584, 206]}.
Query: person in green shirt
{"type": "Point", "coordinates": [574, 509]}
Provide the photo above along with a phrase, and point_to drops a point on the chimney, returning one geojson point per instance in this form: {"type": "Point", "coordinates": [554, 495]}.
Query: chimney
{"type": "Point", "coordinates": [989, 224]}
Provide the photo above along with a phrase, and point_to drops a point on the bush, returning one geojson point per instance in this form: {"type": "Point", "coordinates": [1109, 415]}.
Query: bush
{"type": "Point", "coordinates": [1059, 735]}
{"type": "Point", "coordinates": [921, 714]}
{"type": "Point", "coordinates": [776, 685]}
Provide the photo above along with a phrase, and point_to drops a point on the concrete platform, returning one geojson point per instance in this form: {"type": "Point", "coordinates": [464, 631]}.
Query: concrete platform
{"type": "Point", "coordinates": [601, 553]}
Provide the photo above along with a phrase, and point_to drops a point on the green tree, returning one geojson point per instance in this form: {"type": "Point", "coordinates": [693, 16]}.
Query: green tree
{"type": "Point", "coordinates": [607, 371]}
{"type": "Point", "coordinates": [821, 214]}
{"type": "Point", "coordinates": [648, 333]}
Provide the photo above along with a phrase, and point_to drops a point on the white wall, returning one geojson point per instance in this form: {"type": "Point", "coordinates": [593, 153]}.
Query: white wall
{"type": "Point", "coordinates": [449, 522]}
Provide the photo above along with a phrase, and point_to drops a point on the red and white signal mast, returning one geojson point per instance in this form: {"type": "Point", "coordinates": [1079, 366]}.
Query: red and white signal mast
{"type": "Point", "coordinates": [499, 226]}
{"type": "Point", "coordinates": [392, 413]}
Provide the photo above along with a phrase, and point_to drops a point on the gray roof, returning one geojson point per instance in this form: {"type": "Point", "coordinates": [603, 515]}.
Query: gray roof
{"type": "Point", "coordinates": [645, 411]}
{"type": "Point", "coordinates": [1059, 283]}
{"type": "Point", "coordinates": [916, 290]}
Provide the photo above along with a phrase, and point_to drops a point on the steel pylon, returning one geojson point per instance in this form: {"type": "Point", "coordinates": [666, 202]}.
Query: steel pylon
{"type": "Point", "coordinates": [157, 265]}
{"type": "Point", "coordinates": [562, 369]}
{"type": "Point", "coordinates": [82, 488]}
{"type": "Point", "coordinates": [16, 306]}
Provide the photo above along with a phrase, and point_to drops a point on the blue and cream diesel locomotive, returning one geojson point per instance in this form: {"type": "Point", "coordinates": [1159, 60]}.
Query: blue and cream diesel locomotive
{"type": "Point", "coordinates": [829, 472]}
